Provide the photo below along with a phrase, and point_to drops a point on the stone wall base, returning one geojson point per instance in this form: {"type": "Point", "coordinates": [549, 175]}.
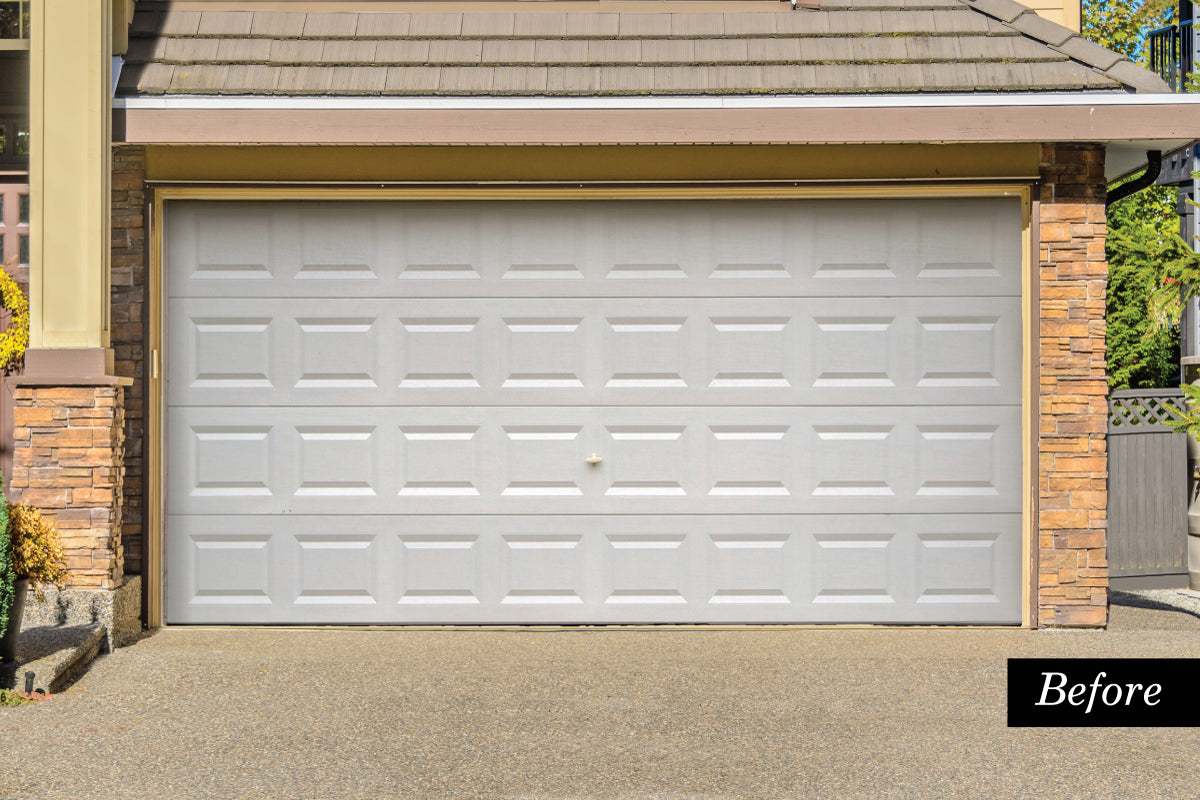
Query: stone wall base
{"type": "Point", "coordinates": [118, 610]}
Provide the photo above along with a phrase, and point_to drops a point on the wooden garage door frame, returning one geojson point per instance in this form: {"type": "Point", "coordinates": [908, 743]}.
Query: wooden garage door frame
{"type": "Point", "coordinates": [162, 195]}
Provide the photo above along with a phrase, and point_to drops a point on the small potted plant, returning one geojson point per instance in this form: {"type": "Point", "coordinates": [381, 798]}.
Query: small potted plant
{"type": "Point", "coordinates": [32, 555]}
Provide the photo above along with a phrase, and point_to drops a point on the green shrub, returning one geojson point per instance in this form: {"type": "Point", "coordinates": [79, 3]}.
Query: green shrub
{"type": "Point", "coordinates": [7, 571]}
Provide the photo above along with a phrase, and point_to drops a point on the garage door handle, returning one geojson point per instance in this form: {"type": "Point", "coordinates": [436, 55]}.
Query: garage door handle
{"type": "Point", "coordinates": [594, 459]}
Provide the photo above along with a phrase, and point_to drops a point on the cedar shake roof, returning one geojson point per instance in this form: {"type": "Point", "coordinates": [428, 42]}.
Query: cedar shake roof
{"type": "Point", "coordinates": [844, 47]}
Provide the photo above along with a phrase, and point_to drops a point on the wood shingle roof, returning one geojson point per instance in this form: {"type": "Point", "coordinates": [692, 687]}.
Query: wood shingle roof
{"type": "Point", "coordinates": [846, 46]}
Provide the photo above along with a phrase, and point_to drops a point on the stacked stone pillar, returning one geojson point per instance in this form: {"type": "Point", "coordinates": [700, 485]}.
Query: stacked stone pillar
{"type": "Point", "coordinates": [68, 462]}
{"type": "Point", "coordinates": [1072, 498]}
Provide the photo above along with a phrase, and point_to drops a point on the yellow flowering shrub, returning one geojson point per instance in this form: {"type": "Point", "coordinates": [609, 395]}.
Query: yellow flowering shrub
{"type": "Point", "coordinates": [14, 340]}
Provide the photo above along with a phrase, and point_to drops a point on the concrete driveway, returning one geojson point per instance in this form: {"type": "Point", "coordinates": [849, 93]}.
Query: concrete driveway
{"type": "Point", "coordinates": [250, 713]}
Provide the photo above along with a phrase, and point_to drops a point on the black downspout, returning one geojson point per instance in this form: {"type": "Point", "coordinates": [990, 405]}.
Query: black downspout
{"type": "Point", "coordinates": [1153, 167]}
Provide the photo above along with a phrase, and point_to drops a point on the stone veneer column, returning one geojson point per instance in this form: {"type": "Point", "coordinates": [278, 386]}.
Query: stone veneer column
{"type": "Point", "coordinates": [1072, 494]}
{"type": "Point", "coordinates": [68, 453]}
{"type": "Point", "coordinates": [68, 458]}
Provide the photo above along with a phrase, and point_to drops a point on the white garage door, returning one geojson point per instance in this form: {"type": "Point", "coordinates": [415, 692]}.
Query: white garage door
{"type": "Point", "coordinates": [800, 410]}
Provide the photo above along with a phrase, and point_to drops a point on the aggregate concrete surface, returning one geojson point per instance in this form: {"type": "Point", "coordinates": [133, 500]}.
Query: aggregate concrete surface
{"type": "Point", "coordinates": [588, 713]}
{"type": "Point", "coordinates": [55, 654]}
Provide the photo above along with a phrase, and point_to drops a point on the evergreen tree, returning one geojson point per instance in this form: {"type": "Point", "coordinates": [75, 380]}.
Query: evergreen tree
{"type": "Point", "coordinates": [1143, 229]}
{"type": "Point", "coordinates": [1142, 241]}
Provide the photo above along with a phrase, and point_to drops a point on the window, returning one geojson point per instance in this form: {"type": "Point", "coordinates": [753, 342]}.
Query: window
{"type": "Point", "coordinates": [14, 19]}
{"type": "Point", "coordinates": [14, 140]}
{"type": "Point", "coordinates": [14, 224]}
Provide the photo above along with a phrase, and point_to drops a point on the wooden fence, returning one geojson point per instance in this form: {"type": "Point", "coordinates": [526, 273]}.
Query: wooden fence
{"type": "Point", "coordinates": [1147, 485]}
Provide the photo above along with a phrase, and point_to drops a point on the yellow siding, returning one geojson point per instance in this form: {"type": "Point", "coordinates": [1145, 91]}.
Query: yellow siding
{"type": "Point", "coordinates": [69, 166]}
{"type": "Point", "coordinates": [1064, 12]}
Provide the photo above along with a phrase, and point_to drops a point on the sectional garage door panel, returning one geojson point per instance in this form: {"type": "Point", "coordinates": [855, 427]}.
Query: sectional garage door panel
{"type": "Point", "coordinates": [608, 351]}
{"type": "Point", "coordinates": [803, 411]}
{"type": "Point", "coordinates": [588, 248]}
{"type": "Point", "coordinates": [504, 460]}
{"type": "Point", "coordinates": [621, 568]}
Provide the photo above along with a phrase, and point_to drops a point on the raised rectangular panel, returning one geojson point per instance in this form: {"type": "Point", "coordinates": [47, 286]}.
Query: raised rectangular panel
{"type": "Point", "coordinates": [853, 568]}
{"type": "Point", "coordinates": [336, 569]}
{"type": "Point", "coordinates": [852, 460]}
{"type": "Point", "coordinates": [748, 244]}
{"type": "Point", "coordinates": [543, 353]}
{"type": "Point", "coordinates": [749, 352]}
{"type": "Point", "coordinates": [646, 460]}
{"type": "Point", "coordinates": [958, 567]}
{"type": "Point", "coordinates": [338, 243]}
{"type": "Point", "coordinates": [230, 245]}
{"type": "Point", "coordinates": [549, 246]}
{"type": "Point", "coordinates": [645, 352]}
{"type": "Point", "coordinates": [957, 460]}
{"type": "Point", "coordinates": [231, 352]}
{"type": "Point", "coordinates": [441, 246]}
{"type": "Point", "coordinates": [852, 351]}
{"type": "Point", "coordinates": [543, 460]}
{"type": "Point", "coordinates": [231, 568]}
{"type": "Point", "coordinates": [749, 460]}
{"type": "Point", "coordinates": [646, 568]}
{"type": "Point", "coordinates": [440, 353]}
{"type": "Point", "coordinates": [748, 568]}
{"type": "Point", "coordinates": [958, 351]}
{"type": "Point", "coordinates": [337, 460]}
{"type": "Point", "coordinates": [543, 569]}
{"type": "Point", "coordinates": [850, 242]}
{"type": "Point", "coordinates": [959, 242]}
{"type": "Point", "coordinates": [337, 353]}
{"type": "Point", "coordinates": [231, 461]}
{"type": "Point", "coordinates": [645, 243]}
{"type": "Point", "coordinates": [439, 569]}
{"type": "Point", "coordinates": [439, 461]}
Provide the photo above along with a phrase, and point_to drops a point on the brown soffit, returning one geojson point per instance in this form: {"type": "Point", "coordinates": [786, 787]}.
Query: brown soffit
{"type": "Point", "coordinates": [591, 164]}
{"type": "Point", "coordinates": [1129, 121]}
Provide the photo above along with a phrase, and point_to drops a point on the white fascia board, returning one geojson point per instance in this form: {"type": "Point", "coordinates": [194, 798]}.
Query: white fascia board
{"type": "Point", "coordinates": [198, 102]}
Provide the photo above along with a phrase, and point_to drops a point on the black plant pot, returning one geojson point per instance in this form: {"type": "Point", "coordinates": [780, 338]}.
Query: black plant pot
{"type": "Point", "coordinates": [8, 642]}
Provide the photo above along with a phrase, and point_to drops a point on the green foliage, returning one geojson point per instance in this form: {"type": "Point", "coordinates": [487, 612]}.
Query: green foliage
{"type": "Point", "coordinates": [11, 698]}
{"type": "Point", "coordinates": [1187, 420]}
{"type": "Point", "coordinates": [7, 573]}
{"type": "Point", "coordinates": [1122, 25]}
{"type": "Point", "coordinates": [1143, 244]}
{"type": "Point", "coordinates": [1143, 240]}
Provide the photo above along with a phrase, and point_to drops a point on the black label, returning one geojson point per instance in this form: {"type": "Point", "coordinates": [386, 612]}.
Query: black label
{"type": "Point", "coordinates": [1104, 692]}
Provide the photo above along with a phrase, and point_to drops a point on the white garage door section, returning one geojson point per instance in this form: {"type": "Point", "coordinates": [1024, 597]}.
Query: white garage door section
{"type": "Point", "coordinates": [803, 410]}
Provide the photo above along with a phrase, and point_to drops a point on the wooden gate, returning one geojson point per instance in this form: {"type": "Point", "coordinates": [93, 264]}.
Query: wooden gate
{"type": "Point", "coordinates": [1147, 485]}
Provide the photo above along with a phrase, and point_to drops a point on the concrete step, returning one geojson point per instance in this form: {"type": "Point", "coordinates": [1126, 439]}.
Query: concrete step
{"type": "Point", "coordinates": [56, 655]}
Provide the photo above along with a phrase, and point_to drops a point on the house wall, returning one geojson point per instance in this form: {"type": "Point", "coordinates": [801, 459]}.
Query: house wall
{"type": "Point", "coordinates": [128, 333]}
{"type": "Point", "coordinates": [1064, 12]}
{"type": "Point", "coordinates": [1068, 556]}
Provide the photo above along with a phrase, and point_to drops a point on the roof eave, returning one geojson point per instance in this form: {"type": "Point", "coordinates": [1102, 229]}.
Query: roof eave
{"type": "Point", "coordinates": [1129, 122]}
